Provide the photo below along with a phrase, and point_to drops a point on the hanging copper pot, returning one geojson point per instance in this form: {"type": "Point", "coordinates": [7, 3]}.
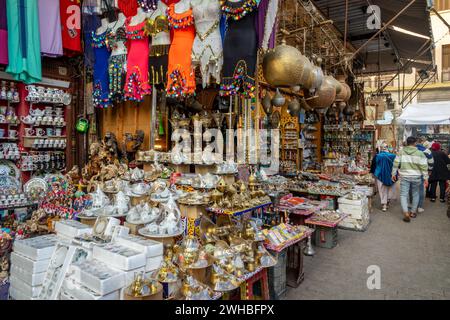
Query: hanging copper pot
{"type": "Point", "coordinates": [283, 66]}
{"type": "Point", "coordinates": [317, 79]}
{"type": "Point", "coordinates": [346, 91]}
{"type": "Point", "coordinates": [278, 99]}
{"type": "Point", "coordinates": [336, 84]}
{"type": "Point", "coordinates": [325, 95]}
{"type": "Point", "coordinates": [267, 103]}
{"type": "Point", "coordinates": [294, 107]}
{"type": "Point", "coordinates": [307, 78]}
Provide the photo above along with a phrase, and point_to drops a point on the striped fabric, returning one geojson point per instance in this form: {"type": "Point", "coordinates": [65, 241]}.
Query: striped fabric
{"type": "Point", "coordinates": [427, 153]}
{"type": "Point", "coordinates": [411, 162]}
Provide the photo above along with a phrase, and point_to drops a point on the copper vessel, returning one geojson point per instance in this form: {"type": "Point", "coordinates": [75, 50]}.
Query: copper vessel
{"type": "Point", "coordinates": [325, 95]}
{"type": "Point", "coordinates": [284, 66]}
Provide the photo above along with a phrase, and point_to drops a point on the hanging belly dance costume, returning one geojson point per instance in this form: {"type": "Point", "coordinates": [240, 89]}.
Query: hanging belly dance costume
{"type": "Point", "coordinates": [181, 78]}
{"type": "Point", "coordinates": [101, 79]}
{"type": "Point", "coordinates": [117, 63]}
{"type": "Point", "coordinates": [240, 48]}
{"type": "Point", "coordinates": [136, 84]}
{"type": "Point", "coordinates": [207, 51]}
{"type": "Point", "coordinates": [158, 29]}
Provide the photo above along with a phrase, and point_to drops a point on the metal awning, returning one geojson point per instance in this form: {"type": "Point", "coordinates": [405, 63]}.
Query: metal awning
{"type": "Point", "coordinates": [394, 48]}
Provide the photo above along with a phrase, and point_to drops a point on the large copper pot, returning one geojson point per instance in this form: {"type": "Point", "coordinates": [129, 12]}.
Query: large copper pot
{"type": "Point", "coordinates": [284, 66]}
{"type": "Point", "coordinates": [325, 95]}
{"type": "Point", "coordinates": [337, 85]}
{"type": "Point", "coordinates": [346, 91]}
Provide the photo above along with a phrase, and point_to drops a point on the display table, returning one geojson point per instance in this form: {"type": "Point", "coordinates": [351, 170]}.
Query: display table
{"type": "Point", "coordinates": [326, 231]}
{"type": "Point", "coordinates": [238, 212]}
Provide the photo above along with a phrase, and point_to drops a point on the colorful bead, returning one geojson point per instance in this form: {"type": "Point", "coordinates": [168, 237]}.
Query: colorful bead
{"type": "Point", "coordinates": [134, 88]}
{"type": "Point", "coordinates": [239, 84]}
{"type": "Point", "coordinates": [237, 13]}
{"type": "Point", "coordinates": [181, 23]}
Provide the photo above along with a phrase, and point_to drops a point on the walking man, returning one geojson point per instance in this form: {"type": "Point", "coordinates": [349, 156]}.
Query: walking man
{"type": "Point", "coordinates": [412, 165]}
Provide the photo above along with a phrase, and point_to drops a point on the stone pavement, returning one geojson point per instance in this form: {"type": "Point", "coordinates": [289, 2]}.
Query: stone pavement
{"type": "Point", "coordinates": [414, 259]}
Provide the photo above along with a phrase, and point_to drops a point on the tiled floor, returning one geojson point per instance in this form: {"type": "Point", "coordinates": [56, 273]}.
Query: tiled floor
{"type": "Point", "coordinates": [414, 259]}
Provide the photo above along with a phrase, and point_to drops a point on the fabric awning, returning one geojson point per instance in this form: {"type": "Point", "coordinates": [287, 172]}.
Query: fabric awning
{"type": "Point", "coordinates": [426, 114]}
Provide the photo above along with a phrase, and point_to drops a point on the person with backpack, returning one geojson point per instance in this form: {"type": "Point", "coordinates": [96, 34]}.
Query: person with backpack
{"type": "Point", "coordinates": [381, 168]}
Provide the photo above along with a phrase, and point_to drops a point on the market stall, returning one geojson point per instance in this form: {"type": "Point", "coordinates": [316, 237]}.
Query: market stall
{"type": "Point", "coordinates": [212, 151]}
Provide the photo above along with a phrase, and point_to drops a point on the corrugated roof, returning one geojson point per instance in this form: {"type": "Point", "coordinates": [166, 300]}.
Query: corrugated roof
{"type": "Point", "coordinates": [395, 47]}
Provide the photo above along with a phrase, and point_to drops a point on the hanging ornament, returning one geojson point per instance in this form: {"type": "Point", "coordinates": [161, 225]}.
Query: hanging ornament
{"type": "Point", "coordinates": [294, 107]}
{"type": "Point", "coordinates": [267, 103]}
{"type": "Point", "coordinates": [278, 99]}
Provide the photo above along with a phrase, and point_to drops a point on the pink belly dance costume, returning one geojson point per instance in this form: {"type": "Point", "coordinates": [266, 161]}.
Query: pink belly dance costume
{"type": "Point", "coordinates": [136, 83]}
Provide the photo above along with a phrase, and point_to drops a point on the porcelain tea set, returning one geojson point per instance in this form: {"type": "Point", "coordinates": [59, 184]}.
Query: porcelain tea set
{"type": "Point", "coordinates": [13, 200]}
{"type": "Point", "coordinates": [8, 115]}
{"type": "Point", "coordinates": [10, 94]}
{"type": "Point", "coordinates": [168, 223]}
{"type": "Point", "coordinates": [49, 143]}
{"type": "Point", "coordinates": [39, 94]}
{"type": "Point", "coordinates": [9, 151]}
{"type": "Point", "coordinates": [47, 116]}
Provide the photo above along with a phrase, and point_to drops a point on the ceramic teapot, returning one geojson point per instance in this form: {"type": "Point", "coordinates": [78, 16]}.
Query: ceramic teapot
{"type": "Point", "coordinates": [122, 202]}
{"type": "Point", "coordinates": [99, 199]}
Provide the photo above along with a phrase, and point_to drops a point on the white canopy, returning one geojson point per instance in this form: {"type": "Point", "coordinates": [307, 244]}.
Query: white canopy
{"type": "Point", "coordinates": [426, 113]}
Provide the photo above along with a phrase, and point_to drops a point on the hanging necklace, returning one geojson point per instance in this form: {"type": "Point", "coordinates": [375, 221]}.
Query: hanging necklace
{"type": "Point", "coordinates": [237, 10]}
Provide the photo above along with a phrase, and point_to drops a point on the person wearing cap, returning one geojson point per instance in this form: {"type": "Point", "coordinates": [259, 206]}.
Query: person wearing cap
{"type": "Point", "coordinates": [439, 174]}
{"type": "Point", "coordinates": [412, 165]}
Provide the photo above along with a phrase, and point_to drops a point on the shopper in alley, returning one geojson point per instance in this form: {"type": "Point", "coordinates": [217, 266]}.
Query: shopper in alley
{"type": "Point", "coordinates": [424, 146]}
{"type": "Point", "coordinates": [411, 165]}
{"type": "Point", "coordinates": [382, 168]}
{"type": "Point", "coordinates": [440, 173]}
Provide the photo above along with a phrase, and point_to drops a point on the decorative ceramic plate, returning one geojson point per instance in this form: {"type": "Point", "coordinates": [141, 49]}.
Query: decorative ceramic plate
{"type": "Point", "coordinates": [34, 185]}
{"type": "Point", "coordinates": [144, 232]}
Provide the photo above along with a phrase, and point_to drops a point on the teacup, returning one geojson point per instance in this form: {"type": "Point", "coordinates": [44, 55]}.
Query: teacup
{"type": "Point", "coordinates": [13, 133]}
{"type": "Point", "coordinates": [40, 132]}
{"type": "Point", "coordinates": [29, 132]}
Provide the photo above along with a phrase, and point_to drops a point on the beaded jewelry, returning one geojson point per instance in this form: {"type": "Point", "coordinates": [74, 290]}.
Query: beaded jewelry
{"type": "Point", "coordinates": [237, 11]}
{"type": "Point", "coordinates": [117, 66]}
{"type": "Point", "coordinates": [134, 87]}
{"type": "Point", "coordinates": [99, 41]}
{"type": "Point", "coordinates": [240, 84]}
{"type": "Point", "coordinates": [179, 86]}
{"type": "Point", "coordinates": [97, 99]}
{"type": "Point", "coordinates": [179, 21]}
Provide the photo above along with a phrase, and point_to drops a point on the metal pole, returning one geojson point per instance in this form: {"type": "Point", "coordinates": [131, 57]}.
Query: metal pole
{"type": "Point", "coordinates": [346, 25]}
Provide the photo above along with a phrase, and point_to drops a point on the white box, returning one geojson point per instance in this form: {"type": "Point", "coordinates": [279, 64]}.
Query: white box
{"type": "Point", "coordinates": [132, 261]}
{"type": "Point", "coordinates": [102, 286]}
{"type": "Point", "coordinates": [38, 248]}
{"type": "Point", "coordinates": [150, 247]}
{"type": "Point", "coordinates": [76, 290]}
{"type": "Point", "coordinates": [347, 200]}
{"type": "Point", "coordinates": [29, 265]}
{"type": "Point", "coordinates": [356, 212]}
{"type": "Point", "coordinates": [71, 228]}
{"type": "Point", "coordinates": [33, 279]}
{"type": "Point", "coordinates": [25, 288]}
{"type": "Point", "coordinates": [16, 294]}
{"type": "Point", "coordinates": [153, 263]}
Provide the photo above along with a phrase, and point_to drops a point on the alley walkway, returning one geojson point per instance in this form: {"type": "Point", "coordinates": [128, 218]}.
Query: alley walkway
{"type": "Point", "coordinates": [414, 259]}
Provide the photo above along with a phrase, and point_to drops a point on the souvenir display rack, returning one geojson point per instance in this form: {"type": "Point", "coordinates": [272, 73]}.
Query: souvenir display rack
{"type": "Point", "coordinates": [311, 142]}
